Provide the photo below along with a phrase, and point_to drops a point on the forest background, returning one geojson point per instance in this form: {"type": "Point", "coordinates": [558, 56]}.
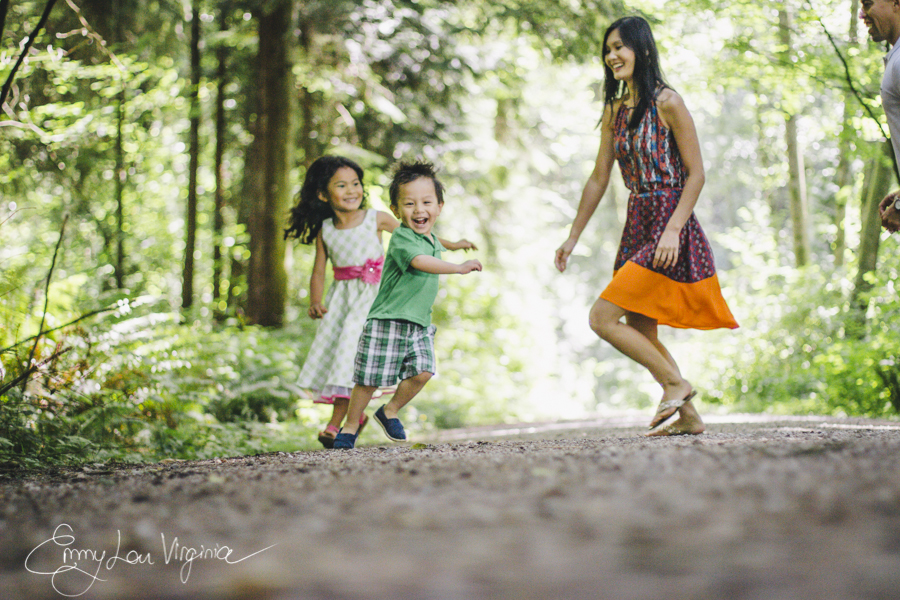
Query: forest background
{"type": "Point", "coordinates": [150, 150]}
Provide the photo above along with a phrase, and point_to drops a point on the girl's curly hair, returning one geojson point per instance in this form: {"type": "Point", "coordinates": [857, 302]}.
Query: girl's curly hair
{"type": "Point", "coordinates": [307, 216]}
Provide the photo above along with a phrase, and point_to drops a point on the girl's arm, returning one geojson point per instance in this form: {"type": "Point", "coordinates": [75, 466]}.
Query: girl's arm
{"type": "Point", "coordinates": [316, 309]}
{"type": "Point", "coordinates": [386, 223]}
{"type": "Point", "coordinates": [460, 245]}
{"type": "Point", "coordinates": [594, 188]}
{"type": "Point", "coordinates": [430, 264]}
{"type": "Point", "coordinates": [676, 117]}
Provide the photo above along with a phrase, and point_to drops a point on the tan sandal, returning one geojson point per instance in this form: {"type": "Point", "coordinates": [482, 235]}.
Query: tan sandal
{"type": "Point", "coordinates": [668, 408]}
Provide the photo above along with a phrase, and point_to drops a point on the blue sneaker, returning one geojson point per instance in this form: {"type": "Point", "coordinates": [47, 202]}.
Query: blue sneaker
{"type": "Point", "coordinates": [393, 428]}
{"type": "Point", "coordinates": [344, 441]}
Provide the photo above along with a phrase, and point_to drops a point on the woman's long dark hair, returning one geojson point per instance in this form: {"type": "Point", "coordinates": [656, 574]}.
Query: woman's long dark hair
{"type": "Point", "coordinates": [636, 35]}
{"type": "Point", "coordinates": [309, 213]}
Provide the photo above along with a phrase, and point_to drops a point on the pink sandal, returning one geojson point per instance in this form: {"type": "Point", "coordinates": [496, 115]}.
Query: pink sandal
{"type": "Point", "coordinates": [326, 438]}
{"type": "Point", "coordinates": [362, 423]}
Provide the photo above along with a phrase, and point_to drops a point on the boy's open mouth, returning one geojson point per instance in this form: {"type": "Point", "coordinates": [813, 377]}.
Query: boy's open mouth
{"type": "Point", "coordinates": [420, 221]}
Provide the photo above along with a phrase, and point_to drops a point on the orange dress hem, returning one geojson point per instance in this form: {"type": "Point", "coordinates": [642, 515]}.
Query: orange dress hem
{"type": "Point", "coordinates": [685, 305]}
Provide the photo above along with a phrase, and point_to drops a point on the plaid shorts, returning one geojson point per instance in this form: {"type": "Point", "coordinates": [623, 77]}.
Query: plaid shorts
{"type": "Point", "coordinates": [391, 350]}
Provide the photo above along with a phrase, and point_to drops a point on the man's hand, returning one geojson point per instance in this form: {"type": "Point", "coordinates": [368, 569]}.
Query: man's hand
{"type": "Point", "coordinates": [890, 216]}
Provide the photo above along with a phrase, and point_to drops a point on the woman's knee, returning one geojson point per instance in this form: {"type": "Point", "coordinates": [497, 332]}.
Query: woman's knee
{"type": "Point", "coordinates": [603, 317]}
{"type": "Point", "coordinates": [601, 320]}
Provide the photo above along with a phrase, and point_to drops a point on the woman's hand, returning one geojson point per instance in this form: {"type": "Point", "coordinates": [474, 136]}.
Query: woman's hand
{"type": "Point", "coordinates": [666, 254]}
{"type": "Point", "coordinates": [563, 253]}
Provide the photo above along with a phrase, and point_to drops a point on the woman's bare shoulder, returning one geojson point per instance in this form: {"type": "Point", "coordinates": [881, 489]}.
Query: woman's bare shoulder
{"type": "Point", "coordinates": [668, 99]}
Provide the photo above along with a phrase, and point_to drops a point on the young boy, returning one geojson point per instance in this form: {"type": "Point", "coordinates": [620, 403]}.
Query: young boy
{"type": "Point", "coordinates": [398, 339]}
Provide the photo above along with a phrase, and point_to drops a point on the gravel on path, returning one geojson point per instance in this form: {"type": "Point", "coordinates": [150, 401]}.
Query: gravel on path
{"type": "Point", "coordinates": [756, 508]}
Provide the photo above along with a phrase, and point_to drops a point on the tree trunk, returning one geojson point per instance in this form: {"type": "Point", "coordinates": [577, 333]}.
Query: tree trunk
{"type": "Point", "coordinates": [218, 217]}
{"type": "Point", "coordinates": [4, 7]}
{"type": "Point", "coordinates": [844, 175]}
{"type": "Point", "coordinates": [187, 290]}
{"type": "Point", "coordinates": [796, 175]}
{"type": "Point", "coordinates": [877, 185]}
{"type": "Point", "coordinates": [275, 144]}
{"type": "Point", "coordinates": [797, 188]}
{"type": "Point", "coordinates": [121, 174]}
{"type": "Point", "coordinates": [307, 101]}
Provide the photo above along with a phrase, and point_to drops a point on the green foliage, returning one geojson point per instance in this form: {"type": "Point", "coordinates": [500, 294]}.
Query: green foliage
{"type": "Point", "coordinates": [504, 97]}
{"type": "Point", "coordinates": [139, 386]}
{"type": "Point", "coordinates": [805, 346]}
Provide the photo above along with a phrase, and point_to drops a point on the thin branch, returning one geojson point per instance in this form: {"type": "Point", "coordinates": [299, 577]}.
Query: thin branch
{"type": "Point", "coordinates": [62, 232]}
{"type": "Point", "coordinates": [12, 74]}
{"type": "Point", "coordinates": [90, 33]}
{"type": "Point", "coordinates": [93, 313]}
{"type": "Point", "coordinates": [23, 376]}
{"type": "Point", "coordinates": [14, 213]}
{"type": "Point", "coordinates": [853, 89]}
{"type": "Point", "coordinates": [29, 126]}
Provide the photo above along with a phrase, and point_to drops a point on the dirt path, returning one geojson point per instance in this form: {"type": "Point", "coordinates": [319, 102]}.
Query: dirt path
{"type": "Point", "coordinates": [753, 509]}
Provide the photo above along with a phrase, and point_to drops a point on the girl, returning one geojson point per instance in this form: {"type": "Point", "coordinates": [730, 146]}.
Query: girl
{"type": "Point", "coordinates": [331, 213]}
{"type": "Point", "coordinates": [664, 271]}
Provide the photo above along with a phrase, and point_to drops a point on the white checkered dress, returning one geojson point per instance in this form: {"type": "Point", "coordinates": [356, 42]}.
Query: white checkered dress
{"type": "Point", "coordinates": [329, 362]}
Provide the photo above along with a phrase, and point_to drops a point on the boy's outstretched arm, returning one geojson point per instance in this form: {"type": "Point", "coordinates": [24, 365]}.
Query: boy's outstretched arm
{"type": "Point", "coordinates": [460, 245]}
{"type": "Point", "coordinates": [436, 266]}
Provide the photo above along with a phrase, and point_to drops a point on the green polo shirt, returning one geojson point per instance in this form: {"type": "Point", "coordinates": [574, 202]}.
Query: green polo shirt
{"type": "Point", "coordinates": [406, 293]}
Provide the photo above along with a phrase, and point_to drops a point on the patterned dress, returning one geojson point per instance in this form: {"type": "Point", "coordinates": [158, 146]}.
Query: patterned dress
{"type": "Point", "coordinates": [685, 294]}
{"type": "Point", "coordinates": [328, 369]}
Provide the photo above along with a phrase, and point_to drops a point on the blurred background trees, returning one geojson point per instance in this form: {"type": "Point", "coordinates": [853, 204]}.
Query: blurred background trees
{"type": "Point", "coordinates": [170, 136]}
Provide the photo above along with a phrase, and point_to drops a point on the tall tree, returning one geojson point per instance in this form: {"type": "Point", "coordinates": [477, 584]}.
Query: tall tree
{"type": "Point", "coordinates": [798, 201]}
{"type": "Point", "coordinates": [273, 147]}
{"type": "Point", "coordinates": [221, 128]}
{"type": "Point", "coordinates": [187, 289]}
{"type": "Point", "coordinates": [844, 174]}
{"type": "Point", "coordinates": [121, 176]}
{"type": "Point", "coordinates": [876, 186]}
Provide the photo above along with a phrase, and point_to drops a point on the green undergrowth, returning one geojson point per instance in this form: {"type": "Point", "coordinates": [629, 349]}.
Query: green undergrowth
{"type": "Point", "coordinates": [811, 343]}
{"type": "Point", "coordinates": [140, 386]}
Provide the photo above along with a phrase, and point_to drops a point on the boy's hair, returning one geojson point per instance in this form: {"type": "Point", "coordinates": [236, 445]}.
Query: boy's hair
{"type": "Point", "coordinates": [307, 216]}
{"type": "Point", "coordinates": [407, 172]}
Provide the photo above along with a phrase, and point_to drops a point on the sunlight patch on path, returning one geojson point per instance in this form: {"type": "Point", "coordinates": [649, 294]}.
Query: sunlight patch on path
{"type": "Point", "coordinates": [639, 421]}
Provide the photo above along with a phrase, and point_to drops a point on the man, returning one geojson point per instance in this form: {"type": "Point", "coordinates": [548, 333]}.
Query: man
{"type": "Point", "coordinates": [882, 17]}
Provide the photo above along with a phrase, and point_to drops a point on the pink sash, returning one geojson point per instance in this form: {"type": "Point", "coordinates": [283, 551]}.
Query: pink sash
{"type": "Point", "coordinates": [370, 272]}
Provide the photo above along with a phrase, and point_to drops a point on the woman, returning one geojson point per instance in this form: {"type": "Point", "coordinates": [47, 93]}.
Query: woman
{"type": "Point", "coordinates": [664, 271]}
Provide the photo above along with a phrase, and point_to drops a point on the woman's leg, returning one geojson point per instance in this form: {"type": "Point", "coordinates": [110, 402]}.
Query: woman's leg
{"type": "Point", "coordinates": [689, 421]}
{"type": "Point", "coordinates": [637, 340]}
{"type": "Point", "coordinates": [649, 329]}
